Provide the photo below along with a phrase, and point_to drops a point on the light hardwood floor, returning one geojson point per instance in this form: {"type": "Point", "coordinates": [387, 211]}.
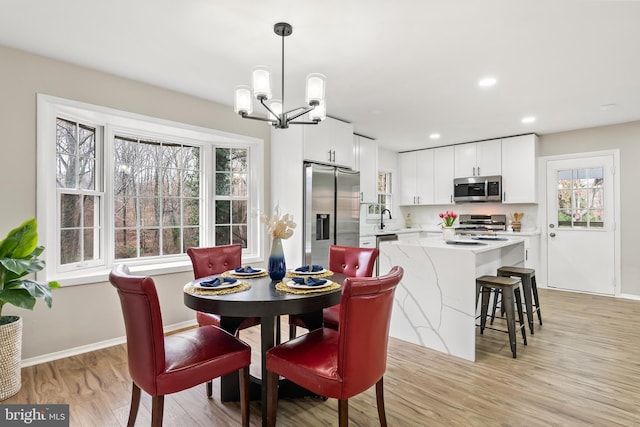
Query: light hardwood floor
{"type": "Point", "coordinates": [582, 367]}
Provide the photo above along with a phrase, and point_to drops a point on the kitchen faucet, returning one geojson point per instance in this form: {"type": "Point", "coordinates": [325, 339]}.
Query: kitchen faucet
{"type": "Point", "coordinates": [382, 218]}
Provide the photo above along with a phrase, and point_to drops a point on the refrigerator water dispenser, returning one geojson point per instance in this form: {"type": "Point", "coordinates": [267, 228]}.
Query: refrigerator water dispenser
{"type": "Point", "coordinates": [322, 226]}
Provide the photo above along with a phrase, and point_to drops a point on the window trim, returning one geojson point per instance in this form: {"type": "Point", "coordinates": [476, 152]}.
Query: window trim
{"type": "Point", "coordinates": [109, 119]}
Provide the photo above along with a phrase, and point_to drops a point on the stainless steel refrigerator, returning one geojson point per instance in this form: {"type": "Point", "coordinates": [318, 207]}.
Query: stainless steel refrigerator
{"type": "Point", "coordinates": [331, 210]}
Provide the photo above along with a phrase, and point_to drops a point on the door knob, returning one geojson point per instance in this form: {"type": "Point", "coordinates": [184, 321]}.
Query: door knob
{"type": "Point", "coordinates": [552, 234]}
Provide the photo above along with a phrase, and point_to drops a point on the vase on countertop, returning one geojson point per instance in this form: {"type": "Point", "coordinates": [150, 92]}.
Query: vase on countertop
{"type": "Point", "coordinates": [448, 233]}
{"type": "Point", "coordinates": [277, 266]}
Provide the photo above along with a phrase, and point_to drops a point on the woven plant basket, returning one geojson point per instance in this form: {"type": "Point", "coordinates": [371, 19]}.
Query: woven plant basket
{"type": "Point", "coordinates": [10, 356]}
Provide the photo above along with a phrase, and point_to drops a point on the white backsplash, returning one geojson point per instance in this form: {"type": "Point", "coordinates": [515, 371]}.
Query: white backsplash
{"type": "Point", "coordinates": [426, 217]}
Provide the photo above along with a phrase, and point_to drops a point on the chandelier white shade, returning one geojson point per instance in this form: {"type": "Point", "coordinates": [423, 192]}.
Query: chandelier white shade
{"type": "Point", "coordinates": [261, 83]}
{"type": "Point", "coordinates": [262, 92]}
{"type": "Point", "coordinates": [243, 103]}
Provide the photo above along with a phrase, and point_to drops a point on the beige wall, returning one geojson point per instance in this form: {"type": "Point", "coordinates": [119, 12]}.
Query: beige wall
{"type": "Point", "coordinates": [82, 315]}
{"type": "Point", "coordinates": [626, 138]}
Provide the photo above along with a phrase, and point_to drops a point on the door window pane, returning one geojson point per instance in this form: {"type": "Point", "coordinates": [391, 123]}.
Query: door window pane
{"type": "Point", "coordinates": [580, 198]}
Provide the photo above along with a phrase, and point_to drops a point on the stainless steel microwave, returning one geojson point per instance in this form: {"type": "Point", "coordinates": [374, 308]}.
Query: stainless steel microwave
{"type": "Point", "coordinates": [478, 189]}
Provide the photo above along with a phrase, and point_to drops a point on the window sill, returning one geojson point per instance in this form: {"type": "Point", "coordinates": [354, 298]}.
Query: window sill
{"type": "Point", "coordinates": [141, 270]}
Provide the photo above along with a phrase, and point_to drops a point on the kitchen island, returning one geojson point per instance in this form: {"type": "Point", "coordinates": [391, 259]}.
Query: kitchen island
{"type": "Point", "coordinates": [435, 303]}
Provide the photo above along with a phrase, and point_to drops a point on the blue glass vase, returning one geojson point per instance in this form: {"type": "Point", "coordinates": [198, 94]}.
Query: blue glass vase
{"type": "Point", "coordinates": [277, 266]}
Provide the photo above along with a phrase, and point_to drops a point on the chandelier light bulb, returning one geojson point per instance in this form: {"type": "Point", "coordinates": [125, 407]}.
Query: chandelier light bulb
{"type": "Point", "coordinates": [243, 103]}
{"type": "Point", "coordinates": [319, 113]}
{"type": "Point", "coordinates": [315, 88]}
{"type": "Point", "coordinates": [261, 83]}
{"type": "Point", "coordinates": [276, 107]}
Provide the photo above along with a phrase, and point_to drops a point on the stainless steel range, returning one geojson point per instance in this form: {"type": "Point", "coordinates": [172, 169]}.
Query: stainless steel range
{"type": "Point", "coordinates": [481, 224]}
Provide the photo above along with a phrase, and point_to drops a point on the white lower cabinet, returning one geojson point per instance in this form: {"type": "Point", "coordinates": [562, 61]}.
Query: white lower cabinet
{"type": "Point", "coordinates": [531, 248]}
{"type": "Point", "coordinates": [368, 242]}
{"type": "Point", "coordinates": [532, 251]}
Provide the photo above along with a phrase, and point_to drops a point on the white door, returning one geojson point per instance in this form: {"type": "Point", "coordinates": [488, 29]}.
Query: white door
{"type": "Point", "coordinates": [580, 224]}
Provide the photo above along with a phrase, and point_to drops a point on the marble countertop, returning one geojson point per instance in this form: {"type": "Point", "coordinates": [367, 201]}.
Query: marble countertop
{"type": "Point", "coordinates": [376, 232]}
{"type": "Point", "coordinates": [436, 229]}
{"type": "Point", "coordinates": [438, 242]}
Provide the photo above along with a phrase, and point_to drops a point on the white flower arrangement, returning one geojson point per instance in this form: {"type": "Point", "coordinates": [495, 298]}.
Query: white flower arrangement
{"type": "Point", "coordinates": [280, 227]}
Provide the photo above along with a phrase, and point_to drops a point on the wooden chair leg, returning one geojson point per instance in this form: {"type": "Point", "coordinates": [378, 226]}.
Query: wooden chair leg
{"type": "Point", "coordinates": [380, 402]}
{"type": "Point", "coordinates": [157, 409]}
{"type": "Point", "coordinates": [272, 399]}
{"type": "Point", "coordinates": [209, 388]}
{"type": "Point", "coordinates": [135, 404]}
{"type": "Point", "coordinates": [244, 396]}
{"type": "Point", "coordinates": [343, 412]}
{"type": "Point", "coordinates": [292, 331]}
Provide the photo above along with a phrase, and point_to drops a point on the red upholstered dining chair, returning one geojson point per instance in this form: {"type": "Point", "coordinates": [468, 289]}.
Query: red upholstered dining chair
{"type": "Point", "coordinates": [162, 365]}
{"type": "Point", "coordinates": [350, 261]}
{"type": "Point", "coordinates": [341, 364]}
{"type": "Point", "coordinates": [216, 260]}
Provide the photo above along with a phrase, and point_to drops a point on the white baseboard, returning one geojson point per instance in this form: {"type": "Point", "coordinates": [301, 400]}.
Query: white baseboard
{"type": "Point", "coordinates": [630, 296]}
{"type": "Point", "coordinates": [94, 346]}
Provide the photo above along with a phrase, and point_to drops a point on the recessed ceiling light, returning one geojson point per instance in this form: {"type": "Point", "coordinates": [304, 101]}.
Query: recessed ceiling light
{"type": "Point", "coordinates": [528, 119]}
{"type": "Point", "coordinates": [487, 81]}
{"type": "Point", "coordinates": [605, 107]}
{"type": "Point", "coordinates": [434, 136]}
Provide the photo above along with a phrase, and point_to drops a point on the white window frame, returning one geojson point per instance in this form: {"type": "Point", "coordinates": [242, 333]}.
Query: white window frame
{"type": "Point", "coordinates": [113, 121]}
{"type": "Point", "coordinates": [374, 209]}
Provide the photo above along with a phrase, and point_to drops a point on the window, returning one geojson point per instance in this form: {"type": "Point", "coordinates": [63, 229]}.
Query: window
{"type": "Point", "coordinates": [139, 190]}
{"type": "Point", "coordinates": [580, 198]}
{"type": "Point", "coordinates": [384, 195]}
{"type": "Point", "coordinates": [156, 197]}
{"type": "Point", "coordinates": [231, 203]}
{"type": "Point", "coordinates": [79, 192]}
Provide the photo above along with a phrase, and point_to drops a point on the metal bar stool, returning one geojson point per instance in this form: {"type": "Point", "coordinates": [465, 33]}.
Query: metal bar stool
{"type": "Point", "coordinates": [510, 289]}
{"type": "Point", "coordinates": [529, 287]}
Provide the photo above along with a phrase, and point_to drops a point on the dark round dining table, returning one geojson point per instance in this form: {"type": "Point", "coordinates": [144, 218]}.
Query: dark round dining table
{"type": "Point", "coordinates": [263, 300]}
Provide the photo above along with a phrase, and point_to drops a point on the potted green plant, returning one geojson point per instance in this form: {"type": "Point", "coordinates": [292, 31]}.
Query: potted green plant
{"type": "Point", "coordinates": [19, 253]}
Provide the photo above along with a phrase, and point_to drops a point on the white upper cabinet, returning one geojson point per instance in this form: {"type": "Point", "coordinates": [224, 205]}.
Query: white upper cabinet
{"type": "Point", "coordinates": [330, 141]}
{"type": "Point", "coordinates": [367, 163]}
{"type": "Point", "coordinates": [408, 178]}
{"type": "Point", "coordinates": [416, 177]}
{"type": "Point", "coordinates": [443, 161]}
{"type": "Point", "coordinates": [519, 169]}
{"type": "Point", "coordinates": [478, 159]}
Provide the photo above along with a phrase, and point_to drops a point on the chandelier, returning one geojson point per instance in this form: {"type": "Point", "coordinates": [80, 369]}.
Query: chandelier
{"type": "Point", "coordinates": [278, 117]}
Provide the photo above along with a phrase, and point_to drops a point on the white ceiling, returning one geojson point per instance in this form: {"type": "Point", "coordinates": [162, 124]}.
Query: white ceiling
{"type": "Point", "coordinates": [398, 70]}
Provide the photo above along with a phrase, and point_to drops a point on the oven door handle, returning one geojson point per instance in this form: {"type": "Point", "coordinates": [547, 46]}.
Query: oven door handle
{"type": "Point", "coordinates": [486, 188]}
